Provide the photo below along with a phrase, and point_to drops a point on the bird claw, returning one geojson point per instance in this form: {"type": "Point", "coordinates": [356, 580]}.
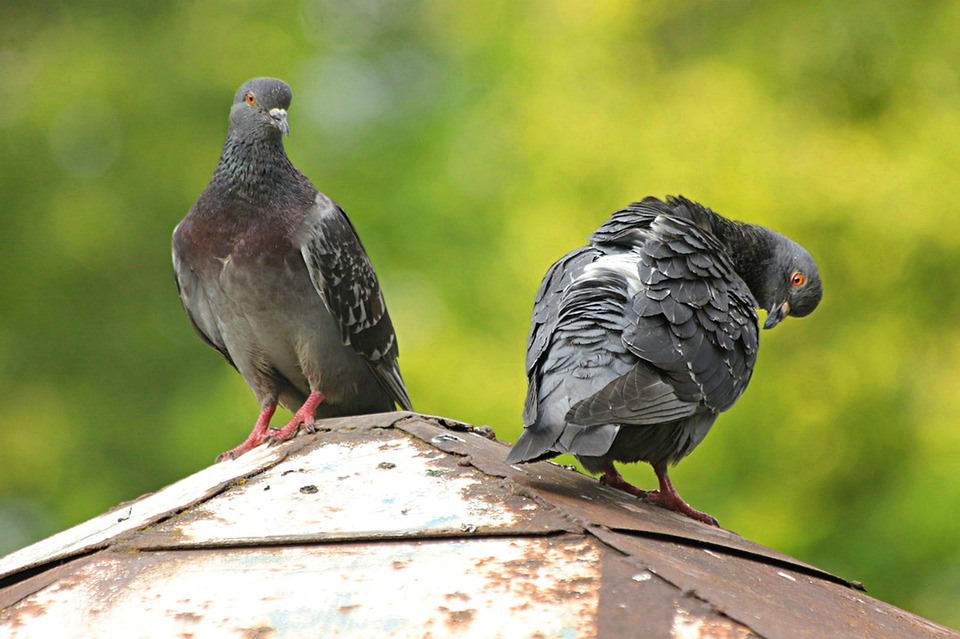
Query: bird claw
{"type": "Point", "coordinates": [277, 436]}
{"type": "Point", "coordinates": [677, 505]}
{"type": "Point", "coordinates": [233, 453]}
{"type": "Point", "coordinates": [273, 436]}
{"type": "Point", "coordinates": [613, 479]}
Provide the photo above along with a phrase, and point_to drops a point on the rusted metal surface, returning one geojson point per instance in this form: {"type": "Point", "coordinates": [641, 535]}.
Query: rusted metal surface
{"type": "Point", "coordinates": [773, 601]}
{"type": "Point", "coordinates": [402, 525]}
{"type": "Point", "coordinates": [582, 497]}
{"type": "Point", "coordinates": [356, 485]}
{"type": "Point", "coordinates": [635, 602]}
{"type": "Point", "coordinates": [99, 531]}
{"type": "Point", "coordinates": [504, 587]}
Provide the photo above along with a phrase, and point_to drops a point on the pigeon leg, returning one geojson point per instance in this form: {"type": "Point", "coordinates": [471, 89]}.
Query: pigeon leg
{"type": "Point", "coordinates": [668, 497]}
{"type": "Point", "coordinates": [611, 477]}
{"type": "Point", "coordinates": [257, 435]}
{"type": "Point", "coordinates": [304, 417]}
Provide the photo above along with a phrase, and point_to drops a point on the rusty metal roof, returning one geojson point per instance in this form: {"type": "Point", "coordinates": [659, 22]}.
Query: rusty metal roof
{"type": "Point", "coordinates": [403, 525]}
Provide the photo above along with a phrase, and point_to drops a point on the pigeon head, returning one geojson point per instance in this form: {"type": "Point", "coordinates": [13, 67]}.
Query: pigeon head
{"type": "Point", "coordinates": [260, 110]}
{"type": "Point", "coordinates": [791, 282]}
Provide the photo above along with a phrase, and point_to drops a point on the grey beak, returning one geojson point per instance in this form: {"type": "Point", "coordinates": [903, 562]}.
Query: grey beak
{"type": "Point", "coordinates": [280, 120]}
{"type": "Point", "coordinates": [776, 314]}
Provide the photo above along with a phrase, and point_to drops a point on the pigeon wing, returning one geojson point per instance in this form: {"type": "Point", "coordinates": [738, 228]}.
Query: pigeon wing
{"type": "Point", "coordinates": [344, 278]}
{"type": "Point", "coordinates": [691, 325]}
{"type": "Point", "coordinates": [195, 303]}
{"type": "Point", "coordinates": [695, 318]}
{"type": "Point", "coordinates": [546, 314]}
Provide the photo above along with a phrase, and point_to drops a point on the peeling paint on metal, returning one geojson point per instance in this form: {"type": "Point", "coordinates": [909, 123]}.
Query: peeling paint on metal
{"type": "Point", "coordinates": [687, 626]}
{"type": "Point", "coordinates": [486, 588]}
{"type": "Point", "coordinates": [386, 487]}
{"type": "Point", "coordinates": [390, 525]}
{"type": "Point", "coordinates": [97, 531]}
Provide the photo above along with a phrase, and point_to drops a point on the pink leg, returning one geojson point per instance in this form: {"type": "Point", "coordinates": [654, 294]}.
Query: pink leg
{"type": "Point", "coordinates": [257, 435]}
{"type": "Point", "coordinates": [612, 478]}
{"type": "Point", "coordinates": [668, 497]}
{"type": "Point", "coordinates": [304, 417]}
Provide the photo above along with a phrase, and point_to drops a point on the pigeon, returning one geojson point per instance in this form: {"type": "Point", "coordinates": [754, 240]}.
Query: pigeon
{"type": "Point", "coordinates": [640, 339]}
{"type": "Point", "coordinates": [272, 274]}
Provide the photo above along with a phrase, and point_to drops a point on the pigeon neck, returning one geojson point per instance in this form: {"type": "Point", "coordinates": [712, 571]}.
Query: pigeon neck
{"type": "Point", "coordinates": [751, 249]}
{"type": "Point", "coordinates": [256, 171]}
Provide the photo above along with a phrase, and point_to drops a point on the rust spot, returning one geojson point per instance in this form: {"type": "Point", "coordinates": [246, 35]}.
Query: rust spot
{"type": "Point", "coordinates": [346, 610]}
{"type": "Point", "coordinates": [260, 632]}
{"type": "Point", "coordinates": [458, 596]}
{"type": "Point", "coordinates": [457, 617]}
{"type": "Point", "coordinates": [400, 565]}
{"type": "Point", "coordinates": [188, 616]}
{"type": "Point", "coordinates": [689, 626]}
{"type": "Point", "coordinates": [22, 611]}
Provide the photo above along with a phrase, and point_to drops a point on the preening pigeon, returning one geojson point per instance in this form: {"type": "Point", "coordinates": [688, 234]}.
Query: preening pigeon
{"type": "Point", "coordinates": [640, 339]}
{"type": "Point", "coordinates": [273, 275]}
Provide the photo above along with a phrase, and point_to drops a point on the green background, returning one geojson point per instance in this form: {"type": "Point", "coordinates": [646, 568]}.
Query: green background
{"type": "Point", "coordinates": [473, 144]}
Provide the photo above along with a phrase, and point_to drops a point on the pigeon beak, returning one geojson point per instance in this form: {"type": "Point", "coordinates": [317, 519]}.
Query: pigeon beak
{"type": "Point", "coordinates": [280, 120]}
{"type": "Point", "coordinates": [776, 314]}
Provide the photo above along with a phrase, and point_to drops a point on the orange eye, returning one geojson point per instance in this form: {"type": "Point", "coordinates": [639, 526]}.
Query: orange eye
{"type": "Point", "coordinates": [250, 98]}
{"type": "Point", "coordinates": [798, 278]}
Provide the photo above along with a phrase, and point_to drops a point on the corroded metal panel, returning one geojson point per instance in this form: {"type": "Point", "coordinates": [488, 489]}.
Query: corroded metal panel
{"type": "Point", "coordinates": [771, 600]}
{"type": "Point", "coordinates": [544, 587]}
{"type": "Point", "coordinates": [357, 485]}
{"type": "Point", "coordinates": [584, 498]}
{"type": "Point", "coordinates": [634, 602]}
{"type": "Point", "coordinates": [99, 531]}
{"type": "Point", "coordinates": [403, 525]}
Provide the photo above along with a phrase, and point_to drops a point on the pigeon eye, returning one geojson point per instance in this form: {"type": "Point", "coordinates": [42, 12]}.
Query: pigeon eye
{"type": "Point", "coordinates": [798, 278]}
{"type": "Point", "coordinates": [250, 98]}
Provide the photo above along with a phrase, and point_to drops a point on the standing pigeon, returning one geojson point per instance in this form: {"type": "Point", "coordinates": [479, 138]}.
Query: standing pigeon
{"type": "Point", "coordinates": [642, 338]}
{"type": "Point", "coordinates": [273, 275]}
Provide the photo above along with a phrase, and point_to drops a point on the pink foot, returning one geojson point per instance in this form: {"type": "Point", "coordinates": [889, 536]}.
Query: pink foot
{"type": "Point", "coordinates": [668, 497]}
{"type": "Point", "coordinates": [612, 478]}
{"type": "Point", "coordinates": [303, 417]}
{"type": "Point", "coordinates": [257, 435]}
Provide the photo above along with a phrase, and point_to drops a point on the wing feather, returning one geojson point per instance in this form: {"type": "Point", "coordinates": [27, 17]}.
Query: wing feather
{"type": "Point", "coordinates": [344, 278]}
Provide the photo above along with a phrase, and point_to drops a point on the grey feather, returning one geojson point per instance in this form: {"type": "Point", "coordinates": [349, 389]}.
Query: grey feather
{"type": "Point", "coordinates": [344, 278]}
{"type": "Point", "coordinates": [641, 338]}
{"type": "Point", "coordinates": [272, 274]}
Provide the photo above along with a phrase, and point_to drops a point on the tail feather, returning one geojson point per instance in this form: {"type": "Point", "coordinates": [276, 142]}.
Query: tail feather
{"type": "Point", "coordinates": [533, 445]}
{"type": "Point", "coordinates": [391, 381]}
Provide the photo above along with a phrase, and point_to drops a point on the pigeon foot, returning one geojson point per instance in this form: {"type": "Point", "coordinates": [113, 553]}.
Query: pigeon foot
{"type": "Point", "coordinates": [668, 497]}
{"type": "Point", "coordinates": [303, 417]}
{"type": "Point", "coordinates": [612, 478]}
{"type": "Point", "coordinates": [256, 436]}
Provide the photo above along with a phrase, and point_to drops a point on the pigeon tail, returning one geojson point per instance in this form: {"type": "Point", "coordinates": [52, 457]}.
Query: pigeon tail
{"type": "Point", "coordinates": [533, 445]}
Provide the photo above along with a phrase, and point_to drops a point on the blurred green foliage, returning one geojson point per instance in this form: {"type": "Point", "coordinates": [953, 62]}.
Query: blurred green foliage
{"type": "Point", "coordinates": [473, 144]}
